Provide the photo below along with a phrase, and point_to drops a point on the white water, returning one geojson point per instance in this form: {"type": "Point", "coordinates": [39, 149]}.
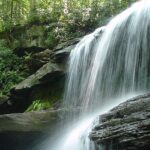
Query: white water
{"type": "Point", "coordinates": [104, 68]}
{"type": "Point", "coordinates": [78, 138]}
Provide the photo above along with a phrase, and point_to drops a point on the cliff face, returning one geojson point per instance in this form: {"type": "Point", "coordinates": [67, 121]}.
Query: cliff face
{"type": "Point", "coordinates": [125, 127]}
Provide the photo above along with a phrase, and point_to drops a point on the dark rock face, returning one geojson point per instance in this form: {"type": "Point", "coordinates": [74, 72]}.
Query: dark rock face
{"type": "Point", "coordinates": [22, 131]}
{"type": "Point", "coordinates": [62, 55]}
{"type": "Point", "coordinates": [126, 127]}
{"type": "Point", "coordinates": [38, 60]}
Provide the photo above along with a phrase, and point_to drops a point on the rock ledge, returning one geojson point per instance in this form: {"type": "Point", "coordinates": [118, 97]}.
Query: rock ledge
{"type": "Point", "coordinates": [125, 127]}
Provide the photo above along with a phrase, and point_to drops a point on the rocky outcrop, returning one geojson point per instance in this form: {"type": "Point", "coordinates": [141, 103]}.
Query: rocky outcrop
{"type": "Point", "coordinates": [46, 82]}
{"type": "Point", "coordinates": [21, 131]}
{"type": "Point", "coordinates": [40, 121]}
{"type": "Point", "coordinates": [126, 127]}
{"type": "Point", "coordinates": [22, 95]}
{"type": "Point", "coordinates": [61, 56]}
{"type": "Point", "coordinates": [38, 60]}
{"type": "Point", "coordinates": [45, 74]}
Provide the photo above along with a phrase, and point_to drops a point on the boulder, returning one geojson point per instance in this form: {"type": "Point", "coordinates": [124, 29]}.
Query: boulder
{"type": "Point", "coordinates": [45, 74]}
{"type": "Point", "coordinates": [126, 127]}
{"type": "Point", "coordinates": [47, 81]}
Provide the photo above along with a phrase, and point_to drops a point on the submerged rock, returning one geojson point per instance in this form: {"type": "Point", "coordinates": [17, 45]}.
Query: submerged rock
{"type": "Point", "coordinates": [126, 127]}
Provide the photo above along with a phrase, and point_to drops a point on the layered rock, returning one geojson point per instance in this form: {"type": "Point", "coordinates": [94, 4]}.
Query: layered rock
{"type": "Point", "coordinates": [126, 127]}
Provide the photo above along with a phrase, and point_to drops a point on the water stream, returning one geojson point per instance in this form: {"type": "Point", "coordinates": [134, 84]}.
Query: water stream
{"type": "Point", "coordinates": [106, 67]}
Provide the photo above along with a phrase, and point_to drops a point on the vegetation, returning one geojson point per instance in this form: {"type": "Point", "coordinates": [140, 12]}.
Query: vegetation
{"type": "Point", "coordinates": [10, 69]}
{"type": "Point", "coordinates": [65, 19]}
{"type": "Point", "coordinates": [81, 13]}
{"type": "Point", "coordinates": [39, 105]}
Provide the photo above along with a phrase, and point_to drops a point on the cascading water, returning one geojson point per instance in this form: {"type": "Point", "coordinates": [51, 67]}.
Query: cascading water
{"type": "Point", "coordinates": [116, 64]}
{"type": "Point", "coordinates": [108, 64]}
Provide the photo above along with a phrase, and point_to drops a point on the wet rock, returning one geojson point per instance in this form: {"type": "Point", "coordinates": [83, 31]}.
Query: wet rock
{"type": "Point", "coordinates": [62, 50]}
{"type": "Point", "coordinates": [61, 56]}
{"type": "Point", "coordinates": [67, 44]}
{"type": "Point", "coordinates": [21, 131]}
{"type": "Point", "coordinates": [126, 127]}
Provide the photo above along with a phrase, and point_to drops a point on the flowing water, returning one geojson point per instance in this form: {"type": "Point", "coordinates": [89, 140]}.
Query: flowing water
{"type": "Point", "coordinates": [105, 66]}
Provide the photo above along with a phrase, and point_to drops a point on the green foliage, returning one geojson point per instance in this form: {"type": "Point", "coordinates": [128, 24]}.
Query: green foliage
{"type": "Point", "coordinates": [51, 39]}
{"type": "Point", "coordinates": [39, 105]}
{"type": "Point", "coordinates": [10, 68]}
{"type": "Point", "coordinates": [27, 57]}
{"type": "Point", "coordinates": [14, 12]}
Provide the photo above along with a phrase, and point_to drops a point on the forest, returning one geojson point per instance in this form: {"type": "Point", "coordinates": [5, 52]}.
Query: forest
{"type": "Point", "coordinates": [21, 12]}
{"type": "Point", "coordinates": [74, 74]}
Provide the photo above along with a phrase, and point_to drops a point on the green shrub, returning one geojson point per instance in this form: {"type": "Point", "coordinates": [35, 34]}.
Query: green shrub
{"type": "Point", "coordinates": [39, 105]}
{"type": "Point", "coordinates": [51, 40]}
{"type": "Point", "coordinates": [10, 69]}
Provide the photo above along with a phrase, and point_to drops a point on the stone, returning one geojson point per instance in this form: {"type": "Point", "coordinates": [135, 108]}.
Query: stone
{"type": "Point", "coordinates": [125, 127]}
{"type": "Point", "coordinates": [21, 131]}
{"type": "Point", "coordinates": [67, 44]}
{"type": "Point", "coordinates": [49, 80]}
{"type": "Point", "coordinates": [37, 60]}
{"type": "Point", "coordinates": [45, 74]}
{"type": "Point", "coordinates": [61, 56]}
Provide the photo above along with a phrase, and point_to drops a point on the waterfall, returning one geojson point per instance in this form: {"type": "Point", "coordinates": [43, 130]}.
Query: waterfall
{"type": "Point", "coordinates": [112, 65]}
{"type": "Point", "coordinates": [105, 67]}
